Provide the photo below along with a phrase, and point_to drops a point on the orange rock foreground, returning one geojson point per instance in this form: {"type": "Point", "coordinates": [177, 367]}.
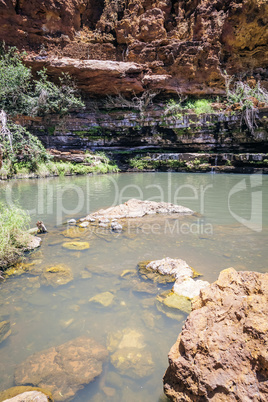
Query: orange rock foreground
{"type": "Point", "coordinates": [222, 351]}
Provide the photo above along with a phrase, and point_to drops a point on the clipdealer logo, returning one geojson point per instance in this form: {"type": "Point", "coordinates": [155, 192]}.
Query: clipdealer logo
{"type": "Point", "coordinates": [255, 220]}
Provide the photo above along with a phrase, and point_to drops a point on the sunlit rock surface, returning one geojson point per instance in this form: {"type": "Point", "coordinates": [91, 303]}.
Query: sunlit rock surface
{"type": "Point", "coordinates": [64, 369]}
{"type": "Point", "coordinates": [166, 270]}
{"type": "Point", "coordinates": [30, 396]}
{"type": "Point", "coordinates": [222, 351]}
{"type": "Point", "coordinates": [134, 208]}
{"type": "Point", "coordinates": [188, 287]}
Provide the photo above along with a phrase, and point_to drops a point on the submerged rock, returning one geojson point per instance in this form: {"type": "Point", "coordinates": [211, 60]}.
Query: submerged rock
{"type": "Point", "coordinates": [130, 356]}
{"type": "Point", "coordinates": [76, 245]}
{"type": "Point", "coordinates": [189, 287]}
{"type": "Point", "coordinates": [64, 369]}
{"type": "Point", "coordinates": [132, 362]}
{"type": "Point", "coordinates": [105, 299]}
{"type": "Point", "coordinates": [136, 209]}
{"type": "Point", "coordinates": [221, 353]}
{"type": "Point", "coordinates": [56, 275]}
{"type": "Point", "coordinates": [175, 301]}
{"type": "Point", "coordinates": [5, 330]}
{"type": "Point", "coordinates": [166, 270]}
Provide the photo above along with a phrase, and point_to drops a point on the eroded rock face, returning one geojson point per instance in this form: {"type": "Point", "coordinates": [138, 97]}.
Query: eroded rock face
{"type": "Point", "coordinates": [64, 369]}
{"type": "Point", "coordinates": [222, 351]}
{"type": "Point", "coordinates": [185, 45]}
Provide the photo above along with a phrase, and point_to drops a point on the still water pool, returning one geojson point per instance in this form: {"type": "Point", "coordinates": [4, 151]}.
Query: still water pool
{"type": "Point", "coordinates": [230, 229]}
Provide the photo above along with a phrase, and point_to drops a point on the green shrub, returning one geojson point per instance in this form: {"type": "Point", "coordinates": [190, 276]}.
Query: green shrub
{"type": "Point", "coordinates": [242, 93]}
{"type": "Point", "coordinates": [13, 235]}
{"type": "Point", "coordinates": [20, 94]}
{"type": "Point", "coordinates": [202, 106]}
{"type": "Point", "coordinates": [24, 148]}
{"type": "Point", "coordinates": [51, 98]}
{"type": "Point", "coordinates": [199, 106]}
{"type": "Point", "coordinates": [15, 82]}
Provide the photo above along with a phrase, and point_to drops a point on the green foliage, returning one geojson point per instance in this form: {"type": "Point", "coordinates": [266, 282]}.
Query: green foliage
{"type": "Point", "coordinates": [15, 82]}
{"type": "Point", "coordinates": [202, 106]}
{"type": "Point", "coordinates": [13, 237]}
{"type": "Point", "coordinates": [51, 98]}
{"type": "Point", "coordinates": [199, 106]}
{"type": "Point", "coordinates": [244, 94]}
{"type": "Point", "coordinates": [26, 148]}
{"type": "Point", "coordinates": [247, 97]}
{"type": "Point", "coordinates": [50, 168]}
{"type": "Point", "coordinates": [20, 94]}
{"type": "Point", "coordinates": [147, 163]}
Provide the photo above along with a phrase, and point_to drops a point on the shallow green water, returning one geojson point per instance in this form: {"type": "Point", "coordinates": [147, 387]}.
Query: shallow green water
{"type": "Point", "coordinates": [231, 230]}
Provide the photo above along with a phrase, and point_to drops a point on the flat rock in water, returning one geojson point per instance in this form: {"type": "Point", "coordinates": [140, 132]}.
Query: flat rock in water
{"type": "Point", "coordinates": [64, 369]}
{"type": "Point", "coordinates": [137, 208]}
{"type": "Point", "coordinates": [5, 330]}
{"type": "Point", "coordinates": [56, 275]}
{"type": "Point", "coordinates": [189, 287]}
{"type": "Point", "coordinates": [222, 351]}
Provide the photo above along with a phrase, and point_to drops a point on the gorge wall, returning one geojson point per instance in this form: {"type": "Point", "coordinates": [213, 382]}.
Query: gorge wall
{"type": "Point", "coordinates": [170, 46]}
{"type": "Point", "coordinates": [150, 130]}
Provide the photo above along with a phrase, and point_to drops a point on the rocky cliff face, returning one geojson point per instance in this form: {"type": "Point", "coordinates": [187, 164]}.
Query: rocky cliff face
{"type": "Point", "coordinates": [179, 46]}
{"type": "Point", "coordinates": [222, 352]}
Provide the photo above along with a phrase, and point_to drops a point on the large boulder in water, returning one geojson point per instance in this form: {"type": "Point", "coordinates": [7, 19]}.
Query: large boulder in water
{"type": "Point", "coordinates": [137, 209]}
{"type": "Point", "coordinates": [64, 369]}
{"type": "Point", "coordinates": [166, 270]}
{"type": "Point", "coordinates": [222, 351]}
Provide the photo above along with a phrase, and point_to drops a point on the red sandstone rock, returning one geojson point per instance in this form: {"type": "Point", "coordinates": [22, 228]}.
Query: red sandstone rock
{"type": "Point", "coordinates": [186, 44]}
{"type": "Point", "coordinates": [222, 351]}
